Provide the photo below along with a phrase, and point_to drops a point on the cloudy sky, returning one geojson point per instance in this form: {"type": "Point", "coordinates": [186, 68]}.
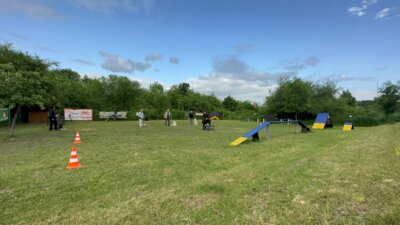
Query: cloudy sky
{"type": "Point", "coordinates": [226, 47]}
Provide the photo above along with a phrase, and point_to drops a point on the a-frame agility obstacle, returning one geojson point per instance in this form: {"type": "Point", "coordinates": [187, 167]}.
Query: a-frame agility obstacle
{"type": "Point", "coordinates": [322, 121]}
{"type": "Point", "coordinates": [254, 133]}
{"type": "Point", "coordinates": [348, 126]}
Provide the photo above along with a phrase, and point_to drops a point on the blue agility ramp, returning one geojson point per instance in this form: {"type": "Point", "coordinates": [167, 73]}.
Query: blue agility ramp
{"type": "Point", "coordinates": [249, 134]}
{"type": "Point", "coordinates": [322, 121]}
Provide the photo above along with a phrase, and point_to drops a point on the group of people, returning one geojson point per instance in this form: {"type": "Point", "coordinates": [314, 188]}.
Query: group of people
{"type": "Point", "coordinates": [206, 121]}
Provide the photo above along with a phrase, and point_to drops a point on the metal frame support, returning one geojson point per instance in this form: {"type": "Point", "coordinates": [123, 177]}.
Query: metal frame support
{"type": "Point", "coordinates": [267, 133]}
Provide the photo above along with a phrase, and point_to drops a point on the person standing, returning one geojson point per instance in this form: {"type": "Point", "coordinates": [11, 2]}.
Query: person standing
{"type": "Point", "coordinates": [167, 117]}
{"type": "Point", "coordinates": [191, 117]}
{"type": "Point", "coordinates": [140, 114]}
{"type": "Point", "coordinates": [53, 118]}
{"type": "Point", "coordinates": [206, 119]}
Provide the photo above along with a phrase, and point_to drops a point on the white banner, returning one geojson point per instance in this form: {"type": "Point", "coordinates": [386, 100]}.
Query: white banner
{"type": "Point", "coordinates": [78, 114]}
{"type": "Point", "coordinates": [120, 115]}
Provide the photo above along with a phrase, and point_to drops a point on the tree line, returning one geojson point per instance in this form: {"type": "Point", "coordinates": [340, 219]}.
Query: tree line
{"type": "Point", "coordinates": [297, 98]}
{"type": "Point", "coordinates": [27, 80]}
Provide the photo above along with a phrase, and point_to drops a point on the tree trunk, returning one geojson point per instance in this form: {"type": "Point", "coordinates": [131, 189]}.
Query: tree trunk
{"type": "Point", "coordinates": [14, 121]}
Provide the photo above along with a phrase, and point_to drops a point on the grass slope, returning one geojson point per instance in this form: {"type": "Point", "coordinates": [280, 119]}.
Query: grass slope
{"type": "Point", "coordinates": [183, 175]}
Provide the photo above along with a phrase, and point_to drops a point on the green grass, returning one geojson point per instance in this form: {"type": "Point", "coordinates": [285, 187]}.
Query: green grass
{"type": "Point", "coordinates": [183, 175]}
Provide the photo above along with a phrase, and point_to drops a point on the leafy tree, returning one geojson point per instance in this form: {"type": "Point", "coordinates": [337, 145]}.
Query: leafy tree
{"type": "Point", "coordinates": [324, 98]}
{"type": "Point", "coordinates": [347, 98]}
{"type": "Point", "coordinates": [24, 81]}
{"type": "Point", "coordinates": [230, 103]}
{"type": "Point", "coordinates": [94, 93]}
{"type": "Point", "coordinates": [292, 96]}
{"type": "Point", "coordinates": [184, 89]}
{"type": "Point", "coordinates": [175, 97]}
{"type": "Point", "coordinates": [120, 92]}
{"type": "Point", "coordinates": [156, 100]}
{"type": "Point", "coordinates": [390, 97]}
{"type": "Point", "coordinates": [68, 90]}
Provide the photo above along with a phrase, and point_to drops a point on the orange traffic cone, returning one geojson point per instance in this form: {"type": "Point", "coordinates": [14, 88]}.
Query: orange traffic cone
{"type": "Point", "coordinates": [73, 159]}
{"type": "Point", "coordinates": [77, 138]}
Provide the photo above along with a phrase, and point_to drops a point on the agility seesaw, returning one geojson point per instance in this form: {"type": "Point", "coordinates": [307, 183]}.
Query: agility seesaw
{"type": "Point", "coordinates": [254, 133]}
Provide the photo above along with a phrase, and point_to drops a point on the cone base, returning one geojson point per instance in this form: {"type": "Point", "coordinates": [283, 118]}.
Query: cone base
{"type": "Point", "coordinates": [77, 142]}
{"type": "Point", "coordinates": [73, 166]}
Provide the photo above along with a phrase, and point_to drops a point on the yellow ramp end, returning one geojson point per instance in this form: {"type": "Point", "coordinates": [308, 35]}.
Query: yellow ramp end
{"type": "Point", "coordinates": [318, 126]}
{"type": "Point", "coordinates": [347, 127]}
{"type": "Point", "coordinates": [238, 141]}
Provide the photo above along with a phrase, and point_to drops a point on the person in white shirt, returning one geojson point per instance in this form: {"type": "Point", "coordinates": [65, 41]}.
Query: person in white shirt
{"type": "Point", "coordinates": [140, 114]}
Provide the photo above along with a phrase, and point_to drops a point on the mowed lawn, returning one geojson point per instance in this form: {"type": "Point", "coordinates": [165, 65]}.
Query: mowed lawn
{"type": "Point", "coordinates": [183, 175]}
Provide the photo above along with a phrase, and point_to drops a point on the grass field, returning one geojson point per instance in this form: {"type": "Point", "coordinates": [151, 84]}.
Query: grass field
{"type": "Point", "coordinates": [183, 175]}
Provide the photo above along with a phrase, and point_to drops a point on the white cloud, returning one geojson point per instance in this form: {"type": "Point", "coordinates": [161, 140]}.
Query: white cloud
{"type": "Point", "coordinates": [356, 11]}
{"type": "Point", "coordinates": [223, 85]}
{"type": "Point", "coordinates": [116, 63]}
{"type": "Point", "coordinates": [363, 94]}
{"type": "Point", "coordinates": [232, 76]}
{"type": "Point", "coordinates": [113, 6]}
{"type": "Point", "coordinates": [369, 2]}
{"type": "Point", "coordinates": [383, 13]}
{"type": "Point", "coordinates": [360, 10]}
{"type": "Point", "coordinates": [344, 78]}
{"type": "Point", "coordinates": [32, 9]}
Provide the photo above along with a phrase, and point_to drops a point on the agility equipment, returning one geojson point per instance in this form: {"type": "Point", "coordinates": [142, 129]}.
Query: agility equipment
{"type": "Point", "coordinates": [348, 126]}
{"type": "Point", "coordinates": [304, 128]}
{"type": "Point", "coordinates": [73, 159]}
{"type": "Point", "coordinates": [254, 133]}
{"type": "Point", "coordinates": [249, 134]}
{"type": "Point", "coordinates": [322, 121]}
{"type": "Point", "coordinates": [214, 116]}
{"type": "Point", "coordinates": [77, 138]}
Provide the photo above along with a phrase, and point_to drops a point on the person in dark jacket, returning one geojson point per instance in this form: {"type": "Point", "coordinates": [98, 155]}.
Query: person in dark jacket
{"type": "Point", "coordinates": [191, 118]}
{"type": "Point", "coordinates": [167, 117]}
{"type": "Point", "coordinates": [53, 118]}
{"type": "Point", "coordinates": [206, 119]}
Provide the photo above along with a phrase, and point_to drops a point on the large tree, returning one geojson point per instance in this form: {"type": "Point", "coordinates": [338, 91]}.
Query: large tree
{"type": "Point", "coordinates": [120, 92]}
{"type": "Point", "coordinates": [24, 81]}
{"type": "Point", "coordinates": [324, 98]}
{"type": "Point", "coordinates": [389, 99]}
{"type": "Point", "coordinates": [230, 103]}
{"type": "Point", "coordinates": [292, 96]}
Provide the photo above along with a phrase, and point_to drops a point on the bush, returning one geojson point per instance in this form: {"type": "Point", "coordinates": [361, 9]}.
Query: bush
{"type": "Point", "coordinates": [395, 117]}
{"type": "Point", "coordinates": [179, 114]}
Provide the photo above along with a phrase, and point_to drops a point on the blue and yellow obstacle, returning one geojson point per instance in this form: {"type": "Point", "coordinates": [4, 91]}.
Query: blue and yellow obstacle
{"type": "Point", "coordinates": [322, 121]}
{"type": "Point", "coordinates": [214, 116]}
{"type": "Point", "coordinates": [249, 134]}
{"type": "Point", "coordinates": [348, 126]}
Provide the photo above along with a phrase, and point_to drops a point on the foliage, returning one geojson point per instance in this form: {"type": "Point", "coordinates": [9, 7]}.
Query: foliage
{"type": "Point", "coordinates": [27, 80]}
{"type": "Point", "coordinates": [390, 97]}
{"type": "Point", "coordinates": [229, 103]}
{"type": "Point", "coordinates": [24, 81]}
{"type": "Point", "coordinates": [292, 96]}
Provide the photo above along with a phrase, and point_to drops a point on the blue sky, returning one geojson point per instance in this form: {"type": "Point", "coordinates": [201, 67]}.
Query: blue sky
{"type": "Point", "coordinates": [237, 48]}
